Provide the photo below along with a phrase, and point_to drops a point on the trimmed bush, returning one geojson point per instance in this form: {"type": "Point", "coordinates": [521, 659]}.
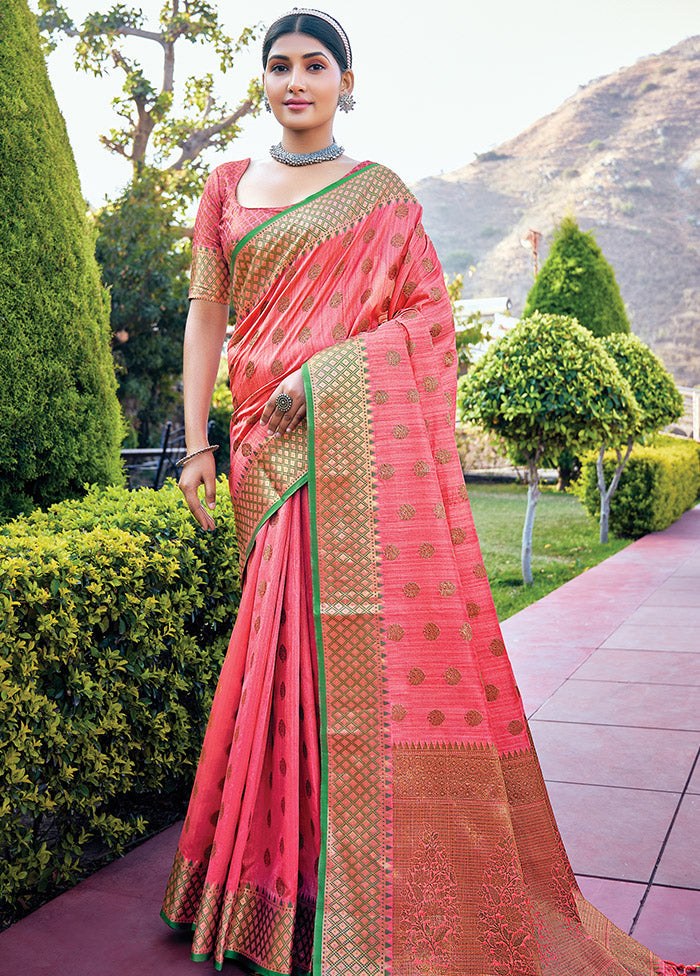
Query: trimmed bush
{"type": "Point", "coordinates": [60, 424]}
{"type": "Point", "coordinates": [576, 280]}
{"type": "Point", "coordinates": [115, 615]}
{"type": "Point", "coordinates": [659, 483]}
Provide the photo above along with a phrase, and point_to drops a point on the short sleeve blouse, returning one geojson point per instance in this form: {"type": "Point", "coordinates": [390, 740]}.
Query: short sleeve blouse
{"type": "Point", "coordinates": [221, 222]}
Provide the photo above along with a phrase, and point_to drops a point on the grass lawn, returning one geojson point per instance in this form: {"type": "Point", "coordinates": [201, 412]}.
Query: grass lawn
{"type": "Point", "coordinates": [564, 542]}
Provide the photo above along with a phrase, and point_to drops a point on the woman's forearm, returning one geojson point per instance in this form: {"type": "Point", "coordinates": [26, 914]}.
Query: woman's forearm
{"type": "Point", "coordinates": [204, 338]}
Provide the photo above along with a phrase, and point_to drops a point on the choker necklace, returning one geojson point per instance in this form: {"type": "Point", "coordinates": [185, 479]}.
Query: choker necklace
{"type": "Point", "coordinates": [306, 159]}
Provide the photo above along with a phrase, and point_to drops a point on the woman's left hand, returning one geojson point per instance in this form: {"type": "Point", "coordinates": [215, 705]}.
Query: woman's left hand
{"type": "Point", "coordinates": [278, 422]}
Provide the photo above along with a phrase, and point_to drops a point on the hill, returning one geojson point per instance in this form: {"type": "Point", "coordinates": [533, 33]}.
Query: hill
{"type": "Point", "coordinates": [623, 155]}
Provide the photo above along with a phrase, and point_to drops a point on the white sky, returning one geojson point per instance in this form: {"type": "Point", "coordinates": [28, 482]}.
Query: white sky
{"type": "Point", "coordinates": [436, 81]}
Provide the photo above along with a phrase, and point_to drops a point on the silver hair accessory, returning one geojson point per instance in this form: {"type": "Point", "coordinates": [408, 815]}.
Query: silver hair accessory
{"type": "Point", "coordinates": [306, 159]}
{"type": "Point", "coordinates": [329, 20]}
{"type": "Point", "coordinates": [346, 103]}
{"type": "Point", "coordinates": [284, 403]}
{"type": "Point", "coordinates": [266, 103]}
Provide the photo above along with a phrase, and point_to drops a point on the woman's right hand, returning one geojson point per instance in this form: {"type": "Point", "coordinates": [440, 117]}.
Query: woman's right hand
{"type": "Point", "coordinates": [201, 470]}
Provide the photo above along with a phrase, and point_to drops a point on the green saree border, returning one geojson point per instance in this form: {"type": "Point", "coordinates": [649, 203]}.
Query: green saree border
{"type": "Point", "coordinates": [323, 730]}
{"type": "Point", "coordinates": [273, 508]}
{"type": "Point", "coordinates": [177, 926]}
{"type": "Point", "coordinates": [295, 206]}
{"type": "Point", "coordinates": [353, 905]}
{"type": "Point", "coordinates": [254, 967]}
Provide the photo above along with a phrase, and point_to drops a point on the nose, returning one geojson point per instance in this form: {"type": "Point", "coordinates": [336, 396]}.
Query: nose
{"type": "Point", "coordinates": [296, 81]}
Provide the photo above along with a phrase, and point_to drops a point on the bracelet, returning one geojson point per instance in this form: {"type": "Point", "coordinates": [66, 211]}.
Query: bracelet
{"type": "Point", "coordinates": [188, 457]}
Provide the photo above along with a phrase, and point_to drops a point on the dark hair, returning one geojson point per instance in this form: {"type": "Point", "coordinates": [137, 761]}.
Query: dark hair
{"type": "Point", "coordinates": [313, 27]}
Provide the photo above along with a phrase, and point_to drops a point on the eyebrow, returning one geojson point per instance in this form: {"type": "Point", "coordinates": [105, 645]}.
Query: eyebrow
{"type": "Point", "coordinates": [313, 54]}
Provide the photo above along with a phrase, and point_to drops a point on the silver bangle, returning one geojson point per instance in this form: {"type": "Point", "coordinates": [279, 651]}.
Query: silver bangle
{"type": "Point", "coordinates": [203, 450]}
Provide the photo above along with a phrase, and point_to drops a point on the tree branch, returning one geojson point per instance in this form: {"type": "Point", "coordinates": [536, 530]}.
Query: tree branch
{"type": "Point", "coordinates": [200, 140]}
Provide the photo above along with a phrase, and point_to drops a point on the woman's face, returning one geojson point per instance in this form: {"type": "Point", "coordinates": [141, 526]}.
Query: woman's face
{"type": "Point", "coordinates": [303, 81]}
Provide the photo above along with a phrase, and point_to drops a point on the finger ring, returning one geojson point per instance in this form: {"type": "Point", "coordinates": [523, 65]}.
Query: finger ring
{"type": "Point", "coordinates": [284, 403]}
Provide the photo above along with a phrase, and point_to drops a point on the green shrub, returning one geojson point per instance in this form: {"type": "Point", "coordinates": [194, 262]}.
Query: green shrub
{"type": "Point", "coordinates": [576, 280]}
{"type": "Point", "coordinates": [660, 482]}
{"type": "Point", "coordinates": [60, 424]}
{"type": "Point", "coordinates": [115, 614]}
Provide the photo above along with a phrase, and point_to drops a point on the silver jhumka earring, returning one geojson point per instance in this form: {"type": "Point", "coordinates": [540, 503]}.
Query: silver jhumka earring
{"type": "Point", "coordinates": [346, 103]}
{"type": "Point", "coordinates": [266, 103]}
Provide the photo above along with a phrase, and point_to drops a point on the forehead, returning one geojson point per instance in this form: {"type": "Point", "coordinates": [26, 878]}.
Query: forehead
{"type": "Point", "coordinates": [297, 45]}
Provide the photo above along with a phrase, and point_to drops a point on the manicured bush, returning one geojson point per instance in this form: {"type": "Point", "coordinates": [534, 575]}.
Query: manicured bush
{"type": "Point", "coordinates": [60, 424]}
{"type": "Point", "coordinates": [577, 280]}
{"type": "Point", "coordinates": [659, 483]}
{"type": "Point", "coordinates": [546, 384]}
{"type": "Point", "coordinates": [115, 614]}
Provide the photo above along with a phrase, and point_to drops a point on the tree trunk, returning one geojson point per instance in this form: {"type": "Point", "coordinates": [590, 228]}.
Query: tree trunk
{"type": "Point", "coordinates": [606, 494]}
{"type": "Point", "coordinates": [533, 493]}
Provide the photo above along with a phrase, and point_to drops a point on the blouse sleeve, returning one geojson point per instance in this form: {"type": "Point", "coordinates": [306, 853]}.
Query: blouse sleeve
{"type": "Point", "coordinates": [210, 277]}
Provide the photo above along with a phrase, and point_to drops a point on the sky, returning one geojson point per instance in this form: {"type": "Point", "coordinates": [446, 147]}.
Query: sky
{"type": "Point", "coordinates": [435, 81]}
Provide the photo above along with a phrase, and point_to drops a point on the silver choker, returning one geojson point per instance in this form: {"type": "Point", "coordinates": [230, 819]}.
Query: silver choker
{"type": "Point", "coordinates": [306, 159]}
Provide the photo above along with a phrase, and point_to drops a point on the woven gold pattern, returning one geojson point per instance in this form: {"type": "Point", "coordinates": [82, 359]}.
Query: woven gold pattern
{"type": "Point", "coordinates": [297, 231]}
{"type": "Point", "coordinates": [356, 883]}
{"type": "Point", "coordinates": [279, 464]}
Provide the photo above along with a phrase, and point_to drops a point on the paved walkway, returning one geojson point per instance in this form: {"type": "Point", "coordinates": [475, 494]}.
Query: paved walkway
{"type": "Point", "coordinates": [609, 668]}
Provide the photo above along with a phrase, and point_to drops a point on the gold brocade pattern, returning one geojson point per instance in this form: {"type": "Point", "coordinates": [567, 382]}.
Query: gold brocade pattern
{"type": "Point", "coordinates": [355, 888]}
{"type": "Point", "coordinates": [296, 231]}
{"type": "Point", "coordinates": [280, 463]}
{"type": "Point", "coordinates": [184, 890]}
{"type": "Point", "coordinates": [209, 276]}
{"type": "Point", "coordinates": [277, 936]}
{"type": "Point", "coordinates": [254, 923]}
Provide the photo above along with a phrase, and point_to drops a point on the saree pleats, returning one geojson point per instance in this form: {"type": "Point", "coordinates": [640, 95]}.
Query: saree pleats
{"type": "Point", "coordinates": [245, 876]}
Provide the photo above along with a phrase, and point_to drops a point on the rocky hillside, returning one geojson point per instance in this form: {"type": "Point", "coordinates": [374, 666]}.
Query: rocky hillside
{"type": "Point", "coordinates": [622, 155]}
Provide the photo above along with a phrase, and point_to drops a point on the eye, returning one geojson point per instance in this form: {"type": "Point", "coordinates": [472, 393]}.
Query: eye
{"type": "Point", "coordinates": [317, 64]}
{"type": "Point", "coordinates": [277, 68]}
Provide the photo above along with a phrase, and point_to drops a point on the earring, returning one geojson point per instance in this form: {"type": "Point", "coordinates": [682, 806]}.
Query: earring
{"type": "Point", "coordinates": [346, 103]}
{"type": "Point", "coordinates": [266, 103]}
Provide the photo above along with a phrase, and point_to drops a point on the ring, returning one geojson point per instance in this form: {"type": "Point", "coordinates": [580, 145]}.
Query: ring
{"type": "Point", "coordinates": [284, 403]}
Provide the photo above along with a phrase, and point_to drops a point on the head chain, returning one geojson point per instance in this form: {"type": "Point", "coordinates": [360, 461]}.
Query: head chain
{"type": "Point", "coordinates": [329, 20]}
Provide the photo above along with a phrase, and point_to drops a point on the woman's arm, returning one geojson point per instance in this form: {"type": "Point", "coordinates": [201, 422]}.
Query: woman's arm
{"type": "Point", "coordinates": [204, 338]}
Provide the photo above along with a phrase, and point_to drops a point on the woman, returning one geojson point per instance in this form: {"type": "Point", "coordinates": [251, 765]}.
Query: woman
{"type": "Point", "coordinates": [367, 799]}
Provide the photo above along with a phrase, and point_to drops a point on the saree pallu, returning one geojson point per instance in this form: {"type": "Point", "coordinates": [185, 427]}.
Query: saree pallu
{"type": "Point", "coordinates": [426, 841]}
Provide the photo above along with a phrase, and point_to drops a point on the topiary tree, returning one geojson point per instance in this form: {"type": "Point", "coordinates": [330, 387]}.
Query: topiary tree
{"type": "Point", "coordinates": [659, 404]}
{"type": "Point", "coordinates": [60, 424]}
{"type": "Point", "coordinates": [547, 383]}
{"type": "Point", "coordinates": [576, 280]}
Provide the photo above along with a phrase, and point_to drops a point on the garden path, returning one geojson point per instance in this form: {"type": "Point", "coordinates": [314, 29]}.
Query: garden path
{"type": "Point", "coordinates": [609, 669]}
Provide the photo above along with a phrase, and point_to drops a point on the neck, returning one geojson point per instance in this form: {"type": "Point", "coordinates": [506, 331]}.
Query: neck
{"type": "Point", "coordinates": [308, 140]}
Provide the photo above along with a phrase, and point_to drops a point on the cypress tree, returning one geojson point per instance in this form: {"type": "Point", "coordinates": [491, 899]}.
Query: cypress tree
{"type": "Point", "coordinates": [60, 424]}
{"type": "Point", "coordinates": [576, 280]}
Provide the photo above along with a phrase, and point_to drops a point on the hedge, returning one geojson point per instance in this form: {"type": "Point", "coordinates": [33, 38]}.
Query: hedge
{"type": "Point", "coordinates": [115, 614]}
{"type": "Point", "coordinates": [660, 482]}
{"type": "Point", "coordinates": [60, 423]}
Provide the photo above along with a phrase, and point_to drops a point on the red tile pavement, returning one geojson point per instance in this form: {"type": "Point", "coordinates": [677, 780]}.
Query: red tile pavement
{"type": "Point", "coordinates": [620, 734]}
{"type": "Point", "coordinates": [618, 900]}
{"type": "Point", "coordinates": [670, 922]}
{"type": "Point", "coordinates": [625, 794]}
{"type": "Point", "coordinates": [608, 755]}
{"type": "Point", "coordinates": [610, 831]}
{"type": "Point", "coordinates": [679, 866]}
{"type": "Point", "coordinates": [653, 667]}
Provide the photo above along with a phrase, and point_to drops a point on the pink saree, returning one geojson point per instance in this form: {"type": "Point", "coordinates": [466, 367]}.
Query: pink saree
{"type": "Point", "coordinates": [368, 800]}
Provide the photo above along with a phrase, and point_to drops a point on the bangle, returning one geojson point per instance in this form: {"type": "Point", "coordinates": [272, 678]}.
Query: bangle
{"type": "Point", "coordinates": [188, 457]}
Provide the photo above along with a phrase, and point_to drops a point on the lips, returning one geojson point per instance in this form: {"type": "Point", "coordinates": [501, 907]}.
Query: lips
{"type": "Point", "coordinates": [296, 103]}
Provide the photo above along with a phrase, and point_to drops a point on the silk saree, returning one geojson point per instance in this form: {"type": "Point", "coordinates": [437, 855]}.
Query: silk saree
{"type": "Point", "coordinates": [368, 800]}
